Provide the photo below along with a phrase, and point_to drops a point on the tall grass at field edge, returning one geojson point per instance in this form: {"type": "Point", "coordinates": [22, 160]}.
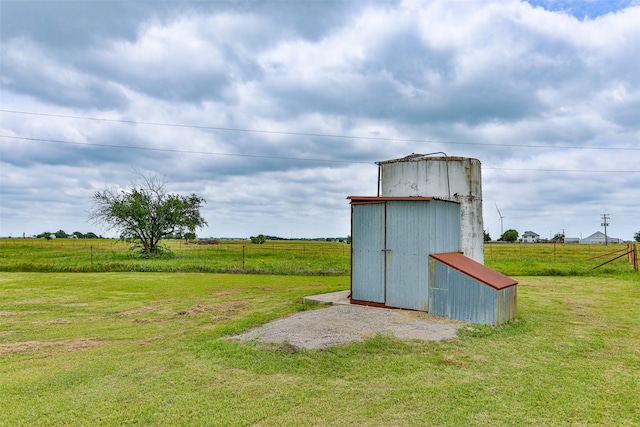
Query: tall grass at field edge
{"type": "Point", "coordinates": [285, 258]}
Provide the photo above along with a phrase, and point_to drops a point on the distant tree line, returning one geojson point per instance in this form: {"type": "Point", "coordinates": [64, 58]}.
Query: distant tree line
{"type": "Point", "coordinates": [181, 236]}
{"type": "Point", "coordinates": [61, 234]}
{"type": "Point", "coordinates": [261, 238]}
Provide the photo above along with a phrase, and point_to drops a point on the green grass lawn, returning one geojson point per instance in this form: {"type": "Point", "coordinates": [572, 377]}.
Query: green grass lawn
{"type": "Point", "coordinates": [154, 349]}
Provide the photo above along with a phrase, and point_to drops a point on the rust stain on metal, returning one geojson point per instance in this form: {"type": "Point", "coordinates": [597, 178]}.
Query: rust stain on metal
{"type": "Point", "coordinates": [376, 199]}
{"type": "Point", "coordinates": [379, 305]}
{"type": "Point", "coordinates": [417, 157]}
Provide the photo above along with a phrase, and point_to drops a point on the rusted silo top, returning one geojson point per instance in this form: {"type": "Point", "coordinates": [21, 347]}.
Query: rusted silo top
{"type": "Point", "coordinates": [418, 157]}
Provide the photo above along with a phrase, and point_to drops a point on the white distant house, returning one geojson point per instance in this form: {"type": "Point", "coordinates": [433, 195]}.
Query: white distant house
{"type": "Point", "coordinates": [530, 237]}
{"type": "Point", "coordinates": [599, 237]}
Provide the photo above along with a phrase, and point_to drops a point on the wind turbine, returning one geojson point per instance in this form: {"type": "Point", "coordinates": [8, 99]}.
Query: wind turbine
{"type": "Point", "coordinates": [501, 218]}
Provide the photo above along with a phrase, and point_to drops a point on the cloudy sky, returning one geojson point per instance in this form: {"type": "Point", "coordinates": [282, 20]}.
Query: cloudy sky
{"type": "Point", "coordinates": [275, 111]}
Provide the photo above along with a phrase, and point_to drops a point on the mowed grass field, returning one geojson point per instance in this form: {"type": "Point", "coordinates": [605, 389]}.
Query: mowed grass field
{"type": "Point", "coordinates": [113, 348]}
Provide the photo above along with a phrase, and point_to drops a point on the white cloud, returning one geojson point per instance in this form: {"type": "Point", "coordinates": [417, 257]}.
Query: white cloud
{"type": "Point", "coordinates": [222, 97]}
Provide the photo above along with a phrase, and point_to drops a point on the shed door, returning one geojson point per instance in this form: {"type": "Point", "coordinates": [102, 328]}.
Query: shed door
{"type": "Point", "coordinates": [367, 252]}
{"type": "Point", "coordinates": [389, 263]}
{"type": "Point", "coordinates": [406, 255]}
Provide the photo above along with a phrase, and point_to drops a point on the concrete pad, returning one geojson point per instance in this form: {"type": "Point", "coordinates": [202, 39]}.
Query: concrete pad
{"type": "Point", "coordinates": [340, 297]}
{"type": "Point", "coordinates": [343, 323]}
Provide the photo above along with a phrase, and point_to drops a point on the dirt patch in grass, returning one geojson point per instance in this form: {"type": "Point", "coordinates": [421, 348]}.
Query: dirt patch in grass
{"type": "Point", "coordinates": [536, 285]}
{"type": "Point", "coordinates": [225, 293]}
{"type": "Point", "coordinates": [17, 313]}
{"type": "Point", "coordinates": [220, 309]}
{"type": "Point", "coordinates": [579, 308]}
{"type": "Point", "coordinates": [149, 340]}
{"type": "Point", "coordinates": [149, 308]}
{"type": "Point", "coordinates": [197, 309]}
{"type": "Point", "coordinates": [149, 320]}
{"type": "Point", "coordinates": [64, 345]}
{"type": "Point", "coordinates": [140, 310]}
{"type": "Point", "coordinates": [58, 322]}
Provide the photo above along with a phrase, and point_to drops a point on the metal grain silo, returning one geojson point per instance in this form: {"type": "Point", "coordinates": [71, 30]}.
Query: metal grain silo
{"type": "Point", "coordinates": [446, 178]}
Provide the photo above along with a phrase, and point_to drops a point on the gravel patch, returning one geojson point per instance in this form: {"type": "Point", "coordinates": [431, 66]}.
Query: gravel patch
{"type": "Point", "coordinates": [344, 323]}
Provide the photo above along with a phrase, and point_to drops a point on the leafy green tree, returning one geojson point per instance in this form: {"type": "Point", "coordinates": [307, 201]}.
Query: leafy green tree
{"type": "Point", "coordinates": [636, 236]}
{"type": "Point", "coordinates": [487, 237]}
{"type": "Point", "coordinates": [78, 235]}
{"type": "Point", "coordinates": [91, 235]}
{"type": "Point", "coordinates": [259, 239]}
{"type": "Point", "coordinates": [145, 213]}
{"type": "Point", "coordinates": [559, 237]}
{"type": "Point", "coordinates": [189, 236]}
{"type": "Point", "coordinates": [509, 236]}
{"type": "Point", "coordinates": [60, 234]}
{"type": "Point", "coordinates": [46, 235]}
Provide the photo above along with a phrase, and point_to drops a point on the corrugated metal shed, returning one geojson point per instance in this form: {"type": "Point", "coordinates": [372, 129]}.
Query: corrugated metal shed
{"type": "Point", "coordinates": [463, 289]}
{"type": "Point", "coordinates": [392, 238]}
{"type": "Point", "coordinates": [406, 245]}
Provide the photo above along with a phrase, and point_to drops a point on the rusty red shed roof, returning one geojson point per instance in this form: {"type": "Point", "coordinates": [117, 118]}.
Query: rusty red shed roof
{"type": "Point", "coordinates": [476, 270]}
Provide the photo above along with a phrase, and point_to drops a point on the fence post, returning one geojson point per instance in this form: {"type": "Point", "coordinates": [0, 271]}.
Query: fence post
{"type": "Point", "coordinates": [243, 246]}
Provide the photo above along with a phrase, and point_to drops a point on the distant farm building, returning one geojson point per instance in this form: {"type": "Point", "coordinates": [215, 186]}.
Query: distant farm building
{"type": "Point", "coordinates": [530, 237]}
{"type": "Point", "coordinates": [599, 238]}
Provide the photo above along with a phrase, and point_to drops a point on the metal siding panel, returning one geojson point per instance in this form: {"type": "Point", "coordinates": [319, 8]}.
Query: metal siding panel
{"type": "Point", "coordinates": [439, 297]}
{"type": "Point", "coordinates": [367, 244]}
{"type": "Point", "coordinates": [437, 288]}
{"type": "Point", "coordinates": [455, 295]}
{"type": "Point", "coordinates": [407, 254]}
{"type": "Point", "coordinates": [444, 227]}
{"type": "Point", "coordinates": [507, 309]}
{"type": "Point", "coordinates": [488, 304]}
{"type": "Point", "coordinates": [431, 284]}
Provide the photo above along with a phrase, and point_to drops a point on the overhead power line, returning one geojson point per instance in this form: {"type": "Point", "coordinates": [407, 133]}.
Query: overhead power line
{"type": "Point", "coordinates": [173, 150]}
{"type": "Point", "coordinates": [317, 135]}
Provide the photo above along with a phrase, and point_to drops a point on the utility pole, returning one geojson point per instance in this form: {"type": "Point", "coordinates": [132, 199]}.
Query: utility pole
{"type": "Point", "coordinates": [605, 218]}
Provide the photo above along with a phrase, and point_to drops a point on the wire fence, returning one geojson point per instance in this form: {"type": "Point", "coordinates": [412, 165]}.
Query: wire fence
{"type": "Point", "coordinates": [547, 251]}
{"type": "Point", "coordinates": [281, 256]}
{"type": "Point", "coordinates": [492, 250]}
